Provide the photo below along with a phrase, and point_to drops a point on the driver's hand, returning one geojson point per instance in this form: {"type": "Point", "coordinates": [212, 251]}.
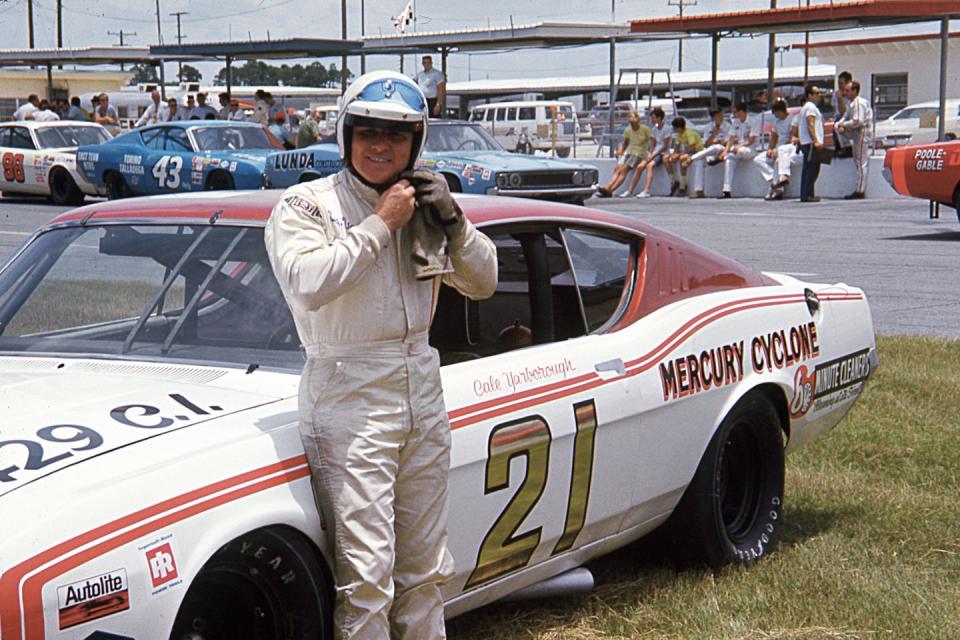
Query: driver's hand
{"type": "Point", "coordinates": [395, 206]}
{"type": "Point", "coordinates": [432, 192]}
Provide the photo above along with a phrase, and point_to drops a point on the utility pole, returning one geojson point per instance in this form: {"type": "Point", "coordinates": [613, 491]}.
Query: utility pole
{"type": "Point", "coordinates": [680, 4]}
{"type": "Point", "coordinates": [180, 38]}
{"type": "Point", "coordinates": [121, 33]}
{"type": "Point", "coordinates": [30, 21]}
{"type": "Point", "coordinates": [163, 79]}
{"type": "Point", "coordinates": [771, 61]}
{"type": "Point", "coordinates": [343, 36]}
{"type": "Point", "coordinates": [60, 25]}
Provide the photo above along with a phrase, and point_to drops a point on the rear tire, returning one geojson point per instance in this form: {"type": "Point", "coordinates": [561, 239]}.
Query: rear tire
{"type": "Point", "coordinates": [308, 177]}
{"type": "Point", "coordinates": [731, 511]}
{"type": "Point", "coordinates": [453, 183]}
{"type": "Point", "coordinates": [264, 585]}
{"type": "Point", "coordinates": [63, 189]}
{"type": "Point", "coordinates": [117, 187]}
{"type": "Point", "coordinates": [219, 181]}
{"type": "Point", "coordinates": [563, 152]}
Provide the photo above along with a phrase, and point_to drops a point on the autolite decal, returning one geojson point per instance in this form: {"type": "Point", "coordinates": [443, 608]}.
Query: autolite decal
{"type": "Point", "coordinates": [93, 598]}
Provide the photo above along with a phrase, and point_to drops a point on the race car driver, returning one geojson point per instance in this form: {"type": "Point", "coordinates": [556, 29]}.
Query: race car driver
{"type": "Point", "coordinates": [372, 417]}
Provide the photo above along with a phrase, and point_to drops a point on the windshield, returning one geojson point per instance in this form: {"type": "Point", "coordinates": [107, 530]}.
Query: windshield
{"type": "Point", "coordinates": [460, 137]}
{"type": "Point", "coordinates": [186, 292]}
{"type": "Point", "coordinates": [73, 136]}
{"type": "Point", "coordinates": [232, 138]}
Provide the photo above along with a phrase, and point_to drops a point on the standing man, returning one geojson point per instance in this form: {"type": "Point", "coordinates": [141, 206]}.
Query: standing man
{"type": "Point", "coordinates": [203, 111]}
{"type": "Point", "coordinates": [76, 112]}
{"type": "Point", "coordinates": [28, 108]}
{"type": "Point", "coordinates": [810, 127]}
{"type": "Point", "coordinates": [433, 84]}
{"type": "Point", "coordinates": [775, 163]}
{"type": "Point", "coordinates": [106, 114]}
{"type": "Point", "coordinates": [188, 110]}
{"type": "Point", "coordinates": [261, 110]}
{"type": "Point", "coordinates": [631, 152]}
{"type": "Point", "coordinates": [173, 111]}
{"type": "Point", "coordinates": [714, 150]}
{"type": "Point", "coordinates": [309, 132]}
{"type": "Point", "coordinates": [840, 106]}
{"type": "Point", "coordinates": [234, 112]}
{"type": "Point", "coordinates": [740, 145]}
{"type": "Point", "coordinates": [224, 99]}
{"type": "Point", "coordinates": [854, 128]}
{"type": "Point", "coordinates": [45, 113]}
{"type": "Point", "coordinates": [155, 113]}
{"type": "Point", "coordinates": [372, 418]}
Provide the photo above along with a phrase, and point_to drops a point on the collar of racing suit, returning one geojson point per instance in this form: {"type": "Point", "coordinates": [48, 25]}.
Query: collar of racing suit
{"type": "Point", "coordinates": [370, 193]}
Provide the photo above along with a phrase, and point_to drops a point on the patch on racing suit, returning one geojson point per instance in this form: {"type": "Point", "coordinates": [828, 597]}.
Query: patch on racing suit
{"type": "Point", "coordinates": [303, 205]}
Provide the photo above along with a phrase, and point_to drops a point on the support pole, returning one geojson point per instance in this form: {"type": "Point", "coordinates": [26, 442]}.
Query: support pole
{"type": "Point", "coordinates": [771, 61]}
{"type": "Point", "coordinates": [49, 82]}
{"type": "Point", "coordinates": [613, 93]}
{"type": "Point", "coordinates": [363, 56]}
{"type": "Point", "coordinates": [715, 45]}
{"type": "Point", "coordinates": [163, 78]}
{"type": "Point", "coordinates": [229, 74]}
{"type": "Point", "coordinates": [443, 69]}
{"type": "Point", "coordinates": [944, 49]}
{"type": "Point", "coordinates": [30, 22]}
{"type": "Point", "coordinates": [343, 36]}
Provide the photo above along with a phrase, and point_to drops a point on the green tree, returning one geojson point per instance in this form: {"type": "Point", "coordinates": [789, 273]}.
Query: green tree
{"type": "Point", "coordinates": [190, 74]}
{"type": "Point", "coordinates": [143, 73]}
{"type": "Point", "coordinates": [258, 73]}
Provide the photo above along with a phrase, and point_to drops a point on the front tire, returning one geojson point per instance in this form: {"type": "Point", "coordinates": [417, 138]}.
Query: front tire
{"type": "Point", "coordinates": [264, 585]}
{"type": "Point", "coordinates": [731, 511]}
{"type": "Point", "coordinates": [219, 181]}
{"type": "Point", "coordinates": [116, 186]}
{"type": "Point", "coordinates": [63, 189]}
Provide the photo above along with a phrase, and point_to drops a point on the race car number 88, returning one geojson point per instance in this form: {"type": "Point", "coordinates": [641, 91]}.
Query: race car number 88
{"type": "Point", "coordinates": [502, 549]}
{"type": "Point", "coordinates": [13, 167]}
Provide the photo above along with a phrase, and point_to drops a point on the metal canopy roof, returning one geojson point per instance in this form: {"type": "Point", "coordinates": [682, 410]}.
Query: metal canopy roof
{"type": "Point", "coordinates": [262, 49]}
{"type": "Point", "coordinates": [80, 56]}
{"type": "Point", "coordinates": [818, 17]}
{"type": "Point", "coordinates": [927, 42]}
{"type": "Point", "coordinates": [539, 34]}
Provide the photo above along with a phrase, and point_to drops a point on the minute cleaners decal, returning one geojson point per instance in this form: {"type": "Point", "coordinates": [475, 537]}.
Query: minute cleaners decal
{"type": "Point", "coordinates": [831, 382]}
{"type": "Point", "coordinates": [696, 372]}
{"type": "Point", "coordinates": [93, 598]}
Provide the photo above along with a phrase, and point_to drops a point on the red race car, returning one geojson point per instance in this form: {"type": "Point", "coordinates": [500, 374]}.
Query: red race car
{"type": "Point", "coordinates": [929, 171]}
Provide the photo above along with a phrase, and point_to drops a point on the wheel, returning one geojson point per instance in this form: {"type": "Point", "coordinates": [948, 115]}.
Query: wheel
{"type": "Point", "coordinates": [307, 177]}
{"type": "Point", "coordinates": [453, 183]}
{"type": "Point", "coordinates": [219, 181]}
{"type": "Point", "coordinates": [730, 512]}
{"type": "Point", "coordinates": [950, 136]}
{"type": "Point", "coordinates": [264, 585]}
{"type": "Point", "coordinates": [563, 152]}
{"type": "Point", "coordinates": [63, 190]}
{"type": "Point", "coordinates": [116, 186]}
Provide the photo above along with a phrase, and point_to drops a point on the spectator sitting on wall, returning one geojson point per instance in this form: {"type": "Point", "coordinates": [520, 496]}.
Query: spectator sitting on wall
{"type": "Point", "coordinates": [774, 163]}
{"type": "Point", "coordinates": [714, 151]}
{"type": "Point", "coordinates": [631, 153]}
{"type": "Point", "coordinates": [28, 108]}
{"type": "Point", "coordinates": [740, 145]}
{"type": "Point", "coordinates": [686, 143]}
{"type": "Point", "coordinates": [106, 114]}
{"type": "Point", "coordinates": [659, 149]}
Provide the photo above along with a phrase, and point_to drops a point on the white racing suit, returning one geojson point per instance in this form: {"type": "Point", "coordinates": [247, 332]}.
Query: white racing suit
{"type": "Point", "coordinates": [372, 417]}
{"type": "Point", "coordinates": [857, 121]}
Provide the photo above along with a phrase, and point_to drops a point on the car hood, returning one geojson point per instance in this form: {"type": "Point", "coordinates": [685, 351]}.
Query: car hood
{"type": "Point", "coordinates": [58, 413]}
{"type": "Point", "coordinates": [505, 161]}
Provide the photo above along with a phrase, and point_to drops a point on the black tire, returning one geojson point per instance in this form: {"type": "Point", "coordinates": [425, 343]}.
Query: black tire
{"type": "Point", "coordinates": [245, 592]}
{"type": "Point", "coordinates": [219, 181]}
{"type": "Point", "coordinates": [116, 186]}
{"type": "Point", "coordinates": [308, 177]}
{"type": "Point", "coordinates": [453, 183]}
{"type": "Point", "coordinates": [731, 511]}
{"type": "Point", "coordinates": [63, 190]}
{"type": "Point", "coordinates": [563, 152]}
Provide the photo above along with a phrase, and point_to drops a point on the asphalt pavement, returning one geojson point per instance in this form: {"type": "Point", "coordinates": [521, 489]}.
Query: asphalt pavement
{"type": "Point", "coordinates": [907, 264]}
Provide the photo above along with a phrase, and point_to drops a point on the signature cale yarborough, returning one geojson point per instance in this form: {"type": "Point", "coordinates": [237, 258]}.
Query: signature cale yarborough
{"type": "Point", "coordinates": [516, 378]}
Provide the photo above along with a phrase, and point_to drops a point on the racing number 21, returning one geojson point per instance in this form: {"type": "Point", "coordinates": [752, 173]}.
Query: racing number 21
{"type": "Point", "coordinates": [503, 550]}
{"type": "Point", "coordinates": [167, 172]}
{"type": "Point", "coordinates": [13, 167]}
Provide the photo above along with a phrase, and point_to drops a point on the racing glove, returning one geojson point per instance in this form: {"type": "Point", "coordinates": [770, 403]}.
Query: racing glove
{"type": "Point", "coordinates": [433, 194]}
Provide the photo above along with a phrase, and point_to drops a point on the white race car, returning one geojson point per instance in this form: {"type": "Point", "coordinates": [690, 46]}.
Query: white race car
{"type": "Point", "coordinates": [40, 158]}
{"type": "Point", "coordinates": [152, 479]}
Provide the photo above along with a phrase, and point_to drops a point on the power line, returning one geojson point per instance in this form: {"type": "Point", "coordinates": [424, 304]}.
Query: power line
{"type": "Point", "coordinates": [680, 4]}
{"type": "Point", "coordinates": [180, 38]}
{"type": "Point", "coordinates": [121, 33]}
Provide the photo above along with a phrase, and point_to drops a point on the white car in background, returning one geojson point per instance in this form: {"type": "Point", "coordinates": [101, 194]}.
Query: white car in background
{"type": "Point", "coordinates": [917, 124]}
{"type": "Point", "coordinates": [40, 158]}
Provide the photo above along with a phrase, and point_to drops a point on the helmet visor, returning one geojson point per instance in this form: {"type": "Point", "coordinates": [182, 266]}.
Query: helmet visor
{"type": "Point", "coordinates": [391, 90]}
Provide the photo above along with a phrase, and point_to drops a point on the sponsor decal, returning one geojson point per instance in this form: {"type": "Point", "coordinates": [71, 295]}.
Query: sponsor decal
{"type": "Point", "coordinates": [293, 161]}
{"type": "Point", "coordinates": [516, 379]}
{"type": "Point", "coordinates": [196, 164]}
{"type": "Point", "coordinates": [719, 366]}
{"type": "Point", "coordinates": [929, 159]}
{"type": "Point", "coordinates": [233, 166]}
{"type": "Point", "coordinates": [830, 383]}
{"type": "Point", "coordinates": [92, 156]}
{"type": "Point", "coordinates": [161, 564]}
{"type": "Point", "coordinates": [93, 598]}
{"type": "Point", "coordinates": [131, 164]}
{"type": "Point", "coordinates": [486, 174]}
{"type": "Point", "coordinates": [303, 205]}
{"type": "Point", "coordinates": [196, 177]}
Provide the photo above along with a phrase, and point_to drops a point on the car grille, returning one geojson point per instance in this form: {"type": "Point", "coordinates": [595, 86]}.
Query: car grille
{"type": "Point", "coordinates": [547, 179]}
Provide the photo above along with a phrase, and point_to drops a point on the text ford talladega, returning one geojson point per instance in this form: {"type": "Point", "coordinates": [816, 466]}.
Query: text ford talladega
{"type": "Point", "coordinates": [152, 478]}
{"type": "Point", "coordinates": [929, 171]}
{"type": "Point", "coordinates": [193, 155]}
{"type": "Point", "coordinates": [467, 156]}
{"type": "Point", "coordinates": [39, 158]}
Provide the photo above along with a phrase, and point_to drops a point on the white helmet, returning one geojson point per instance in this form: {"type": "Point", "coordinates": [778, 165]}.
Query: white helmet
{"type": "Point", "coordinates": [386, 100]}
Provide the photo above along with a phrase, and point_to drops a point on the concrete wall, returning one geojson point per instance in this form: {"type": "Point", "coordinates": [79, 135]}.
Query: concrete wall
{"type": "Point", "coordinates": [836, 180]}
{"type": "Point", "coordinates": [18, 84]}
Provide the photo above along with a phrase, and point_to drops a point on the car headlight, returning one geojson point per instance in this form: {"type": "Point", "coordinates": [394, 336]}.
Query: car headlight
{"type": "Point", "coordinates": [516, 180]}
{"type": "Point", "coordinates": [503, 180]}
{"type": "Point", "coordinates": [578, 178]}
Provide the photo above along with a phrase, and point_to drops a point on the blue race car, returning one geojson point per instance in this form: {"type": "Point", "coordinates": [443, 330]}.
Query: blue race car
{"type": "Point", "coordinates": [467, 156]}
{"type": "Point", "coordinates": [194, 155]}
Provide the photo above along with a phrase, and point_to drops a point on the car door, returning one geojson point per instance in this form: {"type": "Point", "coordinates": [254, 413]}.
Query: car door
{"type": "Point", "coordinates": [537, 468]}
{"type": "Point", "coordinates": [20, 162]}
{"type": "Point", "coordinates": [168, 167]}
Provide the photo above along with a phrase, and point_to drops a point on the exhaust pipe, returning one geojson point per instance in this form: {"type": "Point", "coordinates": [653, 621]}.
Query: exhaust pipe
{"type": "Point", "coordinates": [575, 581]}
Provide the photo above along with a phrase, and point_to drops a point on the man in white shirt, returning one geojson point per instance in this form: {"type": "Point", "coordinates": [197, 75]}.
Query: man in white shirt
{"type": "Point", "coordinates": [203, 111]}
{"type": "Point", "coordinates": [156, 112]}
{"type": "Point", "coordinates": [45, 113]}
{"type": "Point", "coordinates": [775, 163]}
{"type": "Point", "coordinates": [28, 108]}
{"type": "Point", "coordinates": [715, 137]}
{"type": "Point", "coordinates": [658, 151]}
{"type": "Point", "coordinates": [810, 128]}
{"type": "Point", "coordinates": [261, 110]}
{"type": "Point", "coordinates": [854, 130]}
{"type": "Point", "coordinates": [740, 145]}
{"type": "Point", "coordinates": [433, 84]}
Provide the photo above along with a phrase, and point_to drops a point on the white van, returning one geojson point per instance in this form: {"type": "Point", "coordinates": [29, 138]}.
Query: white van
{"type": "Point", "coordinates": [549, 124]}
{"type": "Point", "coordinates": [917, 124]}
